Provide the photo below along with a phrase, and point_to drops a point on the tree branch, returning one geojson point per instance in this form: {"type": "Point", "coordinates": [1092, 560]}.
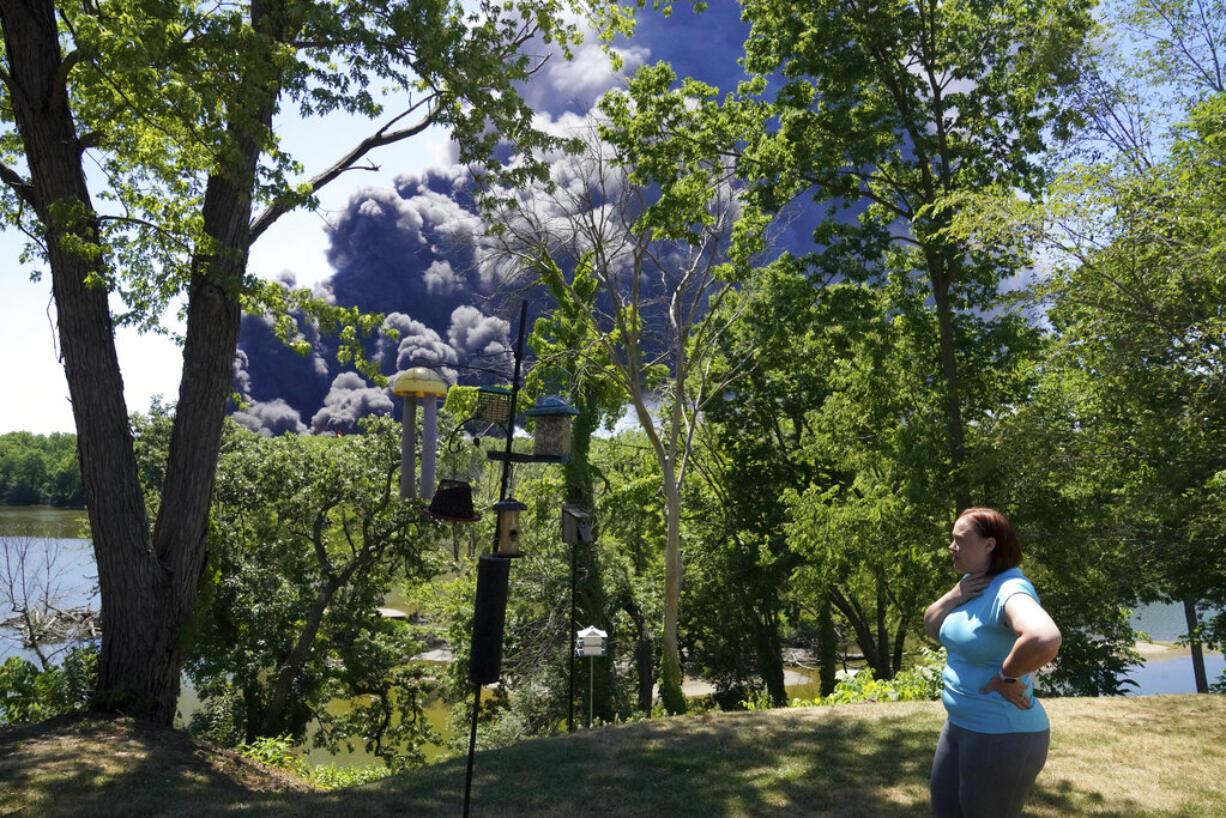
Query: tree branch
{"type": "Point", "coordinates": [381, 137]}
{"type": "Point", "coordinates": [22, 187]}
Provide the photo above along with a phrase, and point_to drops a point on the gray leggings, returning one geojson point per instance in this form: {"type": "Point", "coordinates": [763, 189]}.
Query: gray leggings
{"type": "Point", "coordinates": [984, 775]}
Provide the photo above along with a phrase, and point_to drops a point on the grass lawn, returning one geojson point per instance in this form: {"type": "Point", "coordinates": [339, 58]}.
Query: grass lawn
{"type": "Point", "coordinates": [1126, 757]}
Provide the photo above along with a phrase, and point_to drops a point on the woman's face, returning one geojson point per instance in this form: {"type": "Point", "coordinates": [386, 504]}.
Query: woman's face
{"type": "Point", "coordinates": [972, 553]}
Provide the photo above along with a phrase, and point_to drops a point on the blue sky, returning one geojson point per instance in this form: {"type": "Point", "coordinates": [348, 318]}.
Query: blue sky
{"type": "Point", "coordinates": [36, 393]}
{"type": "Point", "coordinates": [36, 399]}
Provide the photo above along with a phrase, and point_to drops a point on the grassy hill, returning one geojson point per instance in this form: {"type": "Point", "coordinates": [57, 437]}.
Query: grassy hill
{"type": "Point", "coordinates": [1134, 757]}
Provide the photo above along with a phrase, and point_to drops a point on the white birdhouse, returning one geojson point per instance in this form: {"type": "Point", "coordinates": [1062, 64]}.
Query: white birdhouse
{"type": "Point", "coordinates": [591, 642]}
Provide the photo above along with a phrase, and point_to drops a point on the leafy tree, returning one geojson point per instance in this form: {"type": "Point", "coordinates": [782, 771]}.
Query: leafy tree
{"type": "Point", "coordinates": [308, 536]}
{"type": "Point", "coordinates": [175, 104]}
{"type": "Point", "coordinates": [655, 223]}
{"type": "Point", "coordinates": [888, 108]}
{"type": "Point", "coordinates": [39, 470]}
{"type": "Point", "coordinates": [1133, 243]}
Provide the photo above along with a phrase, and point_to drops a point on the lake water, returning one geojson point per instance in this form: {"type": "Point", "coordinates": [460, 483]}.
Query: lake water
{"type": "Point", "coordinates": [50, 544]}
{"type": "Point", "coordinates": [1166, 623]}
{"type": "Point", "coordinates": [65, 530]}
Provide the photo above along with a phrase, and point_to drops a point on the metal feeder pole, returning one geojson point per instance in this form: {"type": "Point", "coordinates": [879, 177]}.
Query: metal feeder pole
{"type": "Point", "coordinates": [591, 687]}
{"type": "Point", "coordinates": [502, 495]}
{"type": "Point", "coordinates": [570, 634]}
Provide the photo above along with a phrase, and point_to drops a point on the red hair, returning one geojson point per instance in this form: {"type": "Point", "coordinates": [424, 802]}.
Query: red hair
{"type": "Point", "coordinates": [988, 522]}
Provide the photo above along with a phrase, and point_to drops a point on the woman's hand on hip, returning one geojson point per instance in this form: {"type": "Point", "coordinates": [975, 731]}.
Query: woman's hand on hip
{"type": "Point", "coordinates": [1015, 692]}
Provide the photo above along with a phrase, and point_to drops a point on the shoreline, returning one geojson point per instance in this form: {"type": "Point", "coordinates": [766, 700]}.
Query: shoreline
{"type": "Point", "coordinates": [1166, 651]}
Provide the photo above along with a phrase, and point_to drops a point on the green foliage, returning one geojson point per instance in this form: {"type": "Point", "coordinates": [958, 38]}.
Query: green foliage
{"type": "Point", "coordinates": [920, 682]}
{"type": "Point", "coordinates": [275, 751]}
{"type": "Point", "coordinates": [308, 534]}
{"type": "Point", "coordinates": [28, 695]}
{"type": "Point", "coordinates": [281, 753]}
{"type": "Point", "coordinates": [179, 106]}
{"type": "Point", "coordinates": [1115, 453]}
{"type": "Point", "coordinates": [331, 777]}
{"type": "Point", "coordinates": [40, 470]}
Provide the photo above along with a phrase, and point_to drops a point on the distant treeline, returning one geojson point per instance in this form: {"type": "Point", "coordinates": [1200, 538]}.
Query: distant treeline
{"type": "Point", "coordinates": [40, 470]}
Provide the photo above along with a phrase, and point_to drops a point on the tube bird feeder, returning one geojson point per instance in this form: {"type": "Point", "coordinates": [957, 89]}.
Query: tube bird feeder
{"type": "Point", "coordinates": [551, 441]}
{"type": "Point", "coordinates": [418, 383]}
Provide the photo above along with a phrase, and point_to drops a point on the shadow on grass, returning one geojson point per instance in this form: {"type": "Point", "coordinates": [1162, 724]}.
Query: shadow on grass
{"type": "Point", "coordinates": [871, 761]}
{"type": "Point", "coordinates": [100, 766]}
{"type": "Point", "coordinates": [748, 764]}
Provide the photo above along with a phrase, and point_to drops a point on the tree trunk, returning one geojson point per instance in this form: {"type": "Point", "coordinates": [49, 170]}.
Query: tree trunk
{"type": "Point", "coordinates": [1198, 655]}
{"type": "Point", "coordinates": [273, 721]}
{"type": "Point", "coordinates": [864, 634]}
{"type": "Point", "coordinates": [770, 657]}
{"type": "Point", "coordinates": [827, 648]}
{"type": "Point", "coordinates": [900, 638]}
{"type": "Point", "coordinates": [643, 663]}
{"type": "Point", "coordinates": [671, 694]}
{"type": "Point", "coordinates": [883, 635]}
{"type": "Point", "coordinates": [148, 583]}
{"type": "Point", "coordinates": [137, 667]}
{"type": "Point", "coordinates": [940, 278]}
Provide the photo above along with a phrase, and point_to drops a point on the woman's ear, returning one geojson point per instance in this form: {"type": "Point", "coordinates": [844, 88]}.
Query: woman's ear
{"type": "Point", "coordinates": [989, 543]}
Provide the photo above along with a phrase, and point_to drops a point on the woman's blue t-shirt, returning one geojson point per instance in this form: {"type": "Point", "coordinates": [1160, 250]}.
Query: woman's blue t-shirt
{"type": "Point", "coordinates": [977, 641]}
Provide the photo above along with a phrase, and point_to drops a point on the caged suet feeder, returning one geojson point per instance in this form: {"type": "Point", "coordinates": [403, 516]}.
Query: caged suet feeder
{"type": "Point", "coordinates": [551, 440]}
{"type": "Point", "coordinates": [418, 383]}
{"type": "Point", "coordinates": [494, 404]}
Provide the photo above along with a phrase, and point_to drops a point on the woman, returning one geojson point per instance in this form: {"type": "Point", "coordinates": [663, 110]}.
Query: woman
{"type": "Point", "coordinates": [995, 739]}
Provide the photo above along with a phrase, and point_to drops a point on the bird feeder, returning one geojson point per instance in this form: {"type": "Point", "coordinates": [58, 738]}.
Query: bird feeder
{"type": "Point", "coordinates": [453, 502]}
{"type": "Point", "coordinates": [591, 642]}
{"type": "Point", "coordinates": [508, 526]}
{"type": "Point", "coordinates": [551, 441]}
{"type": "Point", "coordinates": [418, 383]}
{"type": "Point", "coordinates": [576, 525]}
{"type": "Point", "coordinates": [494, 404]}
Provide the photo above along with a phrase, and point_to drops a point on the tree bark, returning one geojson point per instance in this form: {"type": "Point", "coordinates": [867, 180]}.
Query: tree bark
{"type": "Point", "coordinates": [827, 647]}
{"type": "Point", "coordinates": [642, 655]}
{"type": "Point", "coordinates": [940, 278]}
{"type": "Point", "coordinates": [770, 656]}
{"type": "Point", "coordinates": [671, 677]}
{"type": "Point", "coordinates": [1198, 655]}
{"type": "Point", "coordinates": [135, 667]}
{"type": "Point", "coordinates": [148, 582]}
{"type": "Point", "coordinates": [850, 608]}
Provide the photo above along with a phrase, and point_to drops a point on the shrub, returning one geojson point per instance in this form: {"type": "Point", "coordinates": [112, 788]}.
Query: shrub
{"type": "Point", "coordinates": [920, 682]}
{"type": "Point", "coordinates": [29, 695]}
{"type": "Point", "coordinates": [279, 752]}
